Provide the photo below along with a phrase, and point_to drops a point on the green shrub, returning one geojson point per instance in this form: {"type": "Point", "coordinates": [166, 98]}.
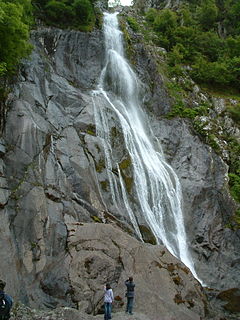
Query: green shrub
{"type": "Point", "coordinates": [151, 15]}
{"type": "Point", "coordinates": [165, 21]}
{"type": "Point", "coordinates": [83, 10]}
{"type": "Point", "coordinates": [207, 14]}
{"type": "Point", "coordinates": [133, 24]}
{"type": "Point", "coordinates": [77, 14]}
{"type": "Point", "coordinates": [234, 112]}
{"type": "Point", "coordinates": [191, 35]}
{"type": "Point", "coordinates": [234, 184]}
{"type": "Point", "coordinates": [59, 13]}
{"type": "Point", "coordinates": [14, 35]}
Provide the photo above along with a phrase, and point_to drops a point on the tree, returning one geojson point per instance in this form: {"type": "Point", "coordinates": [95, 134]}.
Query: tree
{"type": "Point", "coordinates": [207, 14]}
{"type": "Point", "coordinates": [59, 13]}
{"type": "Point", "coordinates": [14, 35]}
{"type": "Point", "coordinates": [83, 10]}
{"type": "Point", "coordinates": [165, 21]}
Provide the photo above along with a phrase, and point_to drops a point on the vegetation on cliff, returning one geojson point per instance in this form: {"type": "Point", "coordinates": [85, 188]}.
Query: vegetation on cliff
{"type": "Point", "coordinates": [17, 17]}
{"type": "Point", "coordinates": [15, 21]}
{"type": "Point", "coordinates": [204, 35]}
{"type": "Point", "coordinates": [75, 14]}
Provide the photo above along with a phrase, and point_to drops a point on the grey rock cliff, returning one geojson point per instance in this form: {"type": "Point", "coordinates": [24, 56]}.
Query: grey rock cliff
{"type": "Point", "coordinates": [53, 178]}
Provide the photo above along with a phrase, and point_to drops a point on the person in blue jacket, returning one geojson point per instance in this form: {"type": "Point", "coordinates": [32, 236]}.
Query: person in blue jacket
{"type": "Point", "coordinates": [6, 302]}
{"type": "Point", "coordinates": [130, 294]}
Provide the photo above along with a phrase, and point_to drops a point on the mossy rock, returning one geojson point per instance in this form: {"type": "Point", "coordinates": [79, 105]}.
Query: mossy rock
{"type": "Point", "coordinates": [128, 183]}
{"type": "Point", "coordinates": [114, 132]}
{"type": "Point", "coordinates": [91, 129]}
{"type": "Point", "coordinates": [96, 219]}
{"type": "Point", "coordinates": [105, 185]}
{"type": "Point", "coordinates": [177, 280]}
{"type": "Point", "coordinates": [147, 235]}
{"type": "Point", "coordinates": [232, 296]}
{"type": "Point", "coordinates": [100, 165]}
{"type": "Point", "coordinates": [125, 163]}
{"type": "Point", "coordinates": [178, 299]}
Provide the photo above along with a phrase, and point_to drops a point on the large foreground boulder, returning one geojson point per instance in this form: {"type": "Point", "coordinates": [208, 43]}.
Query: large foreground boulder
{"type": "Point", "coordinates": [100, 253]}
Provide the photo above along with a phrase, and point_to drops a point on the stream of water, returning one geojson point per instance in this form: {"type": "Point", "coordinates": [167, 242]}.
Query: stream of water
{"type": "Point", "coordinates": [157, 188]}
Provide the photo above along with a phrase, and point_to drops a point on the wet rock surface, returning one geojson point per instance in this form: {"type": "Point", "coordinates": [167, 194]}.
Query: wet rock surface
{"type": "Point", "coordinates": [53, 177]}
{"type": "Point", "coordinates": [100, 253]}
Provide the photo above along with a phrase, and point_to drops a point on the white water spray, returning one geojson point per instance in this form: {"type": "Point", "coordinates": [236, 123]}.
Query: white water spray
{"type": "Point", "coordinates": [157, 188]}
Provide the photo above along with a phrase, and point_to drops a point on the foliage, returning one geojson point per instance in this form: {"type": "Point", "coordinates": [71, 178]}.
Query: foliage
{"type": "Point", "coordinates": [204, 35]}
{"type": "Point", "coordinates": [234, 112]}
{"type": "Point", "coordinates": [133, 23]}
{"type": "Point", "coordinates": [179, 108]}
{"type": "Point", "coordinates": [14, 33]}
{"type": "Point", "coordinates": [207, 14]}
{"type": "Point", "coordinates": [78, 14]}
{"type": "Point", "coordinates": [234, 184]}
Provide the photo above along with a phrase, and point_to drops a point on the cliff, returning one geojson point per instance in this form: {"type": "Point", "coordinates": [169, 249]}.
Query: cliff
{"type": "Point", "coordinates": [55, 203]}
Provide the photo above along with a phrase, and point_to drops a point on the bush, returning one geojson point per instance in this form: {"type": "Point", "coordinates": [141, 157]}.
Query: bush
{"type": "Point", "coordinates": [133, 24]}
{"type": "Point", "coordinates": [234, 184]}
{"type": "Point", "coordinates": [77, 14]}
{"type": "Point", "coordinates": [14, 35]}
{"type": "Point", "coordinates": [59, 13]}
{"type": "Point", "coordinates": [165, 22]}
{"type": "Point", "coordinates": [207, 14]}
{"type": "Point", "coordinates": [83, 10]}
{"type": "Point", "coordinates": [151, 15]}
{"type": "Point", "coordinates": [235, 112]}
{"type": "Point", "coordinates": [191, 36]}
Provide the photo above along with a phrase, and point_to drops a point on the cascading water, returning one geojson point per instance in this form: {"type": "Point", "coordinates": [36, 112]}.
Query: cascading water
{"type": "Point", "coordinates": [157, 188]}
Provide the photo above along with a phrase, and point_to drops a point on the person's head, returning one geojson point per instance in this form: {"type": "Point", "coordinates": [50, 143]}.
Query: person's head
{"type": "Point", "coordinates": [2, 284]}
{"type": "Point", "coordinates": [108, 286]}
{"type": "Point", "coordinates": [130, 279]}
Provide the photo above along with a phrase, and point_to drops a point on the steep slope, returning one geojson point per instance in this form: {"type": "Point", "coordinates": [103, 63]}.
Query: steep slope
{"type": "Point", "coordinates": [53, 175]}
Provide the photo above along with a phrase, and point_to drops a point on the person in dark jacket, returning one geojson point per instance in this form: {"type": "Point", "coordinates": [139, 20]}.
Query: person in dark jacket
{"type": "Point", "coordinates": [130, 294]}
{"type": "Point", "coordinates": [6, 302]}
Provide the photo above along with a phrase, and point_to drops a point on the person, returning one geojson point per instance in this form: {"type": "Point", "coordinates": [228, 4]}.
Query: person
{"type": "Point", "coordinates": [108, 300]}
{"type": "Point", "coordinates": [130, 294]}
{"type": "Point", "coordinates": [6, 302]}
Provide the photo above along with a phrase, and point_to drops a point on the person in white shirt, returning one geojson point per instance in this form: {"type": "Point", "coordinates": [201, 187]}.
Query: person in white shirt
{"type": "Point", "coordinates": [108, 300]}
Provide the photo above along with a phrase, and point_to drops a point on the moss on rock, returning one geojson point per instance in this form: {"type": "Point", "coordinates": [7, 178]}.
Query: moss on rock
{"type": "Point", "coordinates": [147, 234]}
{"type": "Point", "coordinates": [232, 296]}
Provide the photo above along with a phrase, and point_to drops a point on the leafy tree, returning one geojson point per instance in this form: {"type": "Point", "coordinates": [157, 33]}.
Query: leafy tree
{"type": "Point", "coordinates": [165, 21]}
{"type": "Point", "coordinates": [207, 14]}
{"type": "Point", "coordinates": [235, 186]}
{"type": "Point", "coordinates": [151, 15]}
{"type": "Point", "coordinates": [210, 45]}
{"type": "Point", "coordinates": [59, 12]}
{"type": "Point", "coordinates": [233, 46]}
{"type": "Point", "coordinates": [186, 36]}
{"type": "Point", "coordinates": [14, 34]}
{"type": "Point", "coordinates": [83, 10]}
{"type": "Point", "coordinates": [78, 14]}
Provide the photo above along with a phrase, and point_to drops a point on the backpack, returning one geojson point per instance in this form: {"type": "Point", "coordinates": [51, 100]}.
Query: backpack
{"type": "Point", "coordinates": [4, 307]}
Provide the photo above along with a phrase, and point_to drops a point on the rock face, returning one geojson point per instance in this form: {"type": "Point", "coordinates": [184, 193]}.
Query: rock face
{"type": "Point", "coordinates": [207, 204]}
{"type": "Point", "coordinates": [45, 162]}
{"type": "Point", "coordinates": [100, 253]}
{"type": "Point", "coordinates": [53, 177]}
{"type": "Point", "coordinates": [203, 174]}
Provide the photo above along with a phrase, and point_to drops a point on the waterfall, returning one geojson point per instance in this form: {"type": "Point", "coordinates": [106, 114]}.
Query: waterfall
{"type": "Point", "coordinates": [157, 190]}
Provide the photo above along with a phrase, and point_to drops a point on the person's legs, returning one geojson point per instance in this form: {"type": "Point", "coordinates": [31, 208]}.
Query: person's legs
{"type": "Point", "coordinates": [130, 305]}
{"type": "Point", "coordinates": [110, 311]}
{"type": "Point", "coordinates": [105, 311]}
{"type": "Point", "coordinates": [127, 306]}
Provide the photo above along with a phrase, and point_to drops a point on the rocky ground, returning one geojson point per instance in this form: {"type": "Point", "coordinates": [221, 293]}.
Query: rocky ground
{"type": "Point", "coordinates": [24, 313]}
